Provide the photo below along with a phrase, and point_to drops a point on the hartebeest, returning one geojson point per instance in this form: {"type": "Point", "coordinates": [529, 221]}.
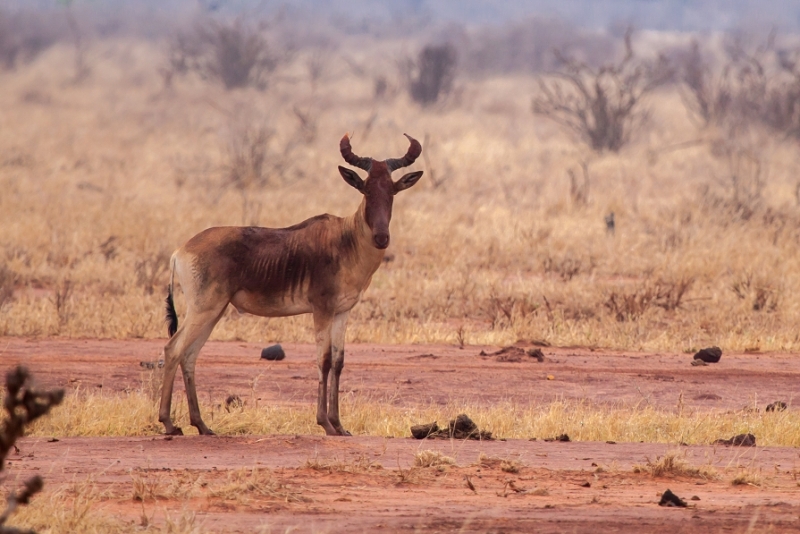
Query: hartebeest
{"type": "Point", "coordinates": [321, 266]}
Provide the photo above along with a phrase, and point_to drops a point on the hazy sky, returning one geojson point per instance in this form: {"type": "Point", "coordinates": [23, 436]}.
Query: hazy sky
{"type": "Point", "coordinates": [598, 14]}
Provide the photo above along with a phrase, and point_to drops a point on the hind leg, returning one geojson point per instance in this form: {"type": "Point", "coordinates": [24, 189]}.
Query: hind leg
{"type": "Point", "coordinates": [183, 349]}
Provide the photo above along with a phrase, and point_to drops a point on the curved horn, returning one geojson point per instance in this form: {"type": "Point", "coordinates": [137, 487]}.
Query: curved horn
{"type": "Point", "coordinates": [352, 159]}
{"type": "Point", "coordinates": [414, 150]}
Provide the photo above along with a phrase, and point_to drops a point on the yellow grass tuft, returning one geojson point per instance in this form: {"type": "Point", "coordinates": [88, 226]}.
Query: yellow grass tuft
{"type": "Point", "coordinates": [748, 477]}
{"type": "Point", "coordinates": [674, 464]}
{"type": "Point", "coordinates": [429, 458]}
{"type": "Point", "coordinates": [92, 413]}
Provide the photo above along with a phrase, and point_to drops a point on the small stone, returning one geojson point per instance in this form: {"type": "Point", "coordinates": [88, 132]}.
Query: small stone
{"type": "Point", "coordinates": [273, 353]}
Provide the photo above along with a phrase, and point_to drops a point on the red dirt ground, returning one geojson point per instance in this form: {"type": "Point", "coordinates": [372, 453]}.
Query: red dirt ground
{"type": "Point", "coordinates": [366, 484]}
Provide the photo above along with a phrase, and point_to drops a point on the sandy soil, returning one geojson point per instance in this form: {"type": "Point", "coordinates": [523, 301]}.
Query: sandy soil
{"type": "Point", "coordinates": [366, 484]}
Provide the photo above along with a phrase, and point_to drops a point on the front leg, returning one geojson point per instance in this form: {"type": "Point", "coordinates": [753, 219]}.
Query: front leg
{"type": "Point", "coordinates": [337, 350]}
{"type": "Point", "coordinates": [322, 328]}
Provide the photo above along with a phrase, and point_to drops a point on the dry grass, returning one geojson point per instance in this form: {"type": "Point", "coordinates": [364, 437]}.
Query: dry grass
{"type": "Point", "coordinates": [359, 464]}
{"type": "Point", "coordinates": [242, 485]}
{"type": "Point", "coordinates": [79, 509]}
{"type": "Point", "coordinates": [674, 464]}
{"type": "Point", "coordinates": [134, 414]}
{"type": "Point", "coordinates": [507, 465]}
{"type": "Point", "coordinates": [748, 477]}
{"type": "Point", "coordinates": [491, 251]}
{"type": "Point", "coordinates": [429, 458]}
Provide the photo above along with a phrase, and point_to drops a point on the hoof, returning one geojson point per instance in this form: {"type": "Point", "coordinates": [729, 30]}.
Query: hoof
{"type": "Point", "coordinates": [207, 432]}
{"type": "Point", "coordinates": [174, 432]}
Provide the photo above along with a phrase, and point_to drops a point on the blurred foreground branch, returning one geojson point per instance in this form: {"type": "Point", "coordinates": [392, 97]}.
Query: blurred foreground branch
{"type": "Point", "coordinates": [23, 406]}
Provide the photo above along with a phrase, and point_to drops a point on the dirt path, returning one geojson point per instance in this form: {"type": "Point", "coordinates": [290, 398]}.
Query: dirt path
{"type": "Point", "coordinates": [367, 484]}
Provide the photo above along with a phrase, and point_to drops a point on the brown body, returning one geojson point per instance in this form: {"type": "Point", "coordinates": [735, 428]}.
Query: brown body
{"type": "Point", "coordinates": [321, 266]}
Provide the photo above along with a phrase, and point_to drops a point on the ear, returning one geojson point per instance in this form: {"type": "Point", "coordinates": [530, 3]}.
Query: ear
{"type": "Point", "coordinates": [407, 181]}
{"type": "Point", "coordinates": [352, 178]}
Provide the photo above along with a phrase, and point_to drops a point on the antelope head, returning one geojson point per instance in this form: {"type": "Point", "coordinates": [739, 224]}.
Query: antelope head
{"type": "Point", "coordinates": [379, 188]}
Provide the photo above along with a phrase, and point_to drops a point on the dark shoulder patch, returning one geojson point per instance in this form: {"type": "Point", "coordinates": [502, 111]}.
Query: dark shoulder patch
{"type": "Point", "coordinates": [347, 243]}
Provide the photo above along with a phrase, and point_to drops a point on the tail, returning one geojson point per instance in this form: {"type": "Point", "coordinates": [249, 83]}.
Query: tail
{"type": "Point", "coordinates": [172, 315]}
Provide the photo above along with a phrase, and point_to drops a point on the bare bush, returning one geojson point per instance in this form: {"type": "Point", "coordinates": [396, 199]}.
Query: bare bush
{"type": "Point", "coordinates": [750, 85]}
{"type": "Point", "coordinates": [762, 294]}
{"type": "Point", "coordinates": [151, 271]}
{"type": "Point", "coordinates": [26, 34]}
{"type": "Point", "coordinates": [430, 77]}
{"type": "Point", "coordinates": [255, 158]}
{"type": "Point", "coordinates": [602, 107]}
{"type": "Point", "coordinates": [632, 304]}
{"type": "Point", "coordinates": [235, 54]}
{"type": "Point", "coordinates": [8, 280]}
{"type": "Point", "coordinates": [23, 406]}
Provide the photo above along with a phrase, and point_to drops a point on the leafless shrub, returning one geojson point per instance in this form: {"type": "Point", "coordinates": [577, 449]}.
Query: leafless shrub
{"type": "Point", "coordinates": [752, 85]}
{"type": "Point", "coordinates": [632, 304]}
{"type": "Point", "coordinates": [763, 295]}
{"type": "Point", "coordinates": [602, 107]}
{"type": "Point", "coordinates": [26, 34]}
{"type": "Point", "coordinates": [567, 266]}
{"type": "Point", "coordinates": [61, 299]}
{"type": "Point", "coordinates": [579, 187]}
{"type": "Point", "coordinates": [8, 279]}
{"type": "Point", "coordinates": [151, 271]}
{"type": "Point", "coordinates": [255, 158]}
{"type": "Point", "coordinates": [23, 406]}
{"type": "Point", "coordinates": [430, 77]}
{"type": "Point", "coordinates": [234, 53]}
{"type": "Point", "coordinates": [503, 309]}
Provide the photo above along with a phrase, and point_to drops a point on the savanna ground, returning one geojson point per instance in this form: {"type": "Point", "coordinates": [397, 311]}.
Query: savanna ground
{"type": "Point", "coordinates": [640, 424]}
{"type": "Point", "coordinates": [110, 158]}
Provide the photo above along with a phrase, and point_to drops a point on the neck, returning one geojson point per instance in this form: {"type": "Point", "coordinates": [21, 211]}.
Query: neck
{"type": "Point", "coordinates": [357, 223]}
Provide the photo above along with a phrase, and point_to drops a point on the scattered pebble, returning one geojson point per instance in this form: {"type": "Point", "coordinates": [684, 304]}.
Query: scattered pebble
{"type": "Point", "coordinates": [670, 499]}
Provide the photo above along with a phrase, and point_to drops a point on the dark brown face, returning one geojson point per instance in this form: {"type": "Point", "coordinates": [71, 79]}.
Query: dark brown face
{"type": "Point", "coordinates": [379, 190]}
{"type": "Point", "coordinates": [379, 194]}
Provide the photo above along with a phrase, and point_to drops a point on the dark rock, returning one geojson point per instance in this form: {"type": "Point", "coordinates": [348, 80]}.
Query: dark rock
{"type": "Point", "coordinates": [423, 431]}
{"type": "Point", "coordinates": [462, 427]}
{"type": "Point", "coordinates": [536, 353]}
{"type": "Point", "coordinates": [709, 355]}
{"type": "Point", "coordinates": [739, 440]}
{"type": "Point", "coordinates": [777, 406]}
{"type": "Point", "coordinates": [273, 353]}
{"type": "Point", "coordinates": [670, 499]}
{"type": "Point", "coordinates": [560, 437]}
